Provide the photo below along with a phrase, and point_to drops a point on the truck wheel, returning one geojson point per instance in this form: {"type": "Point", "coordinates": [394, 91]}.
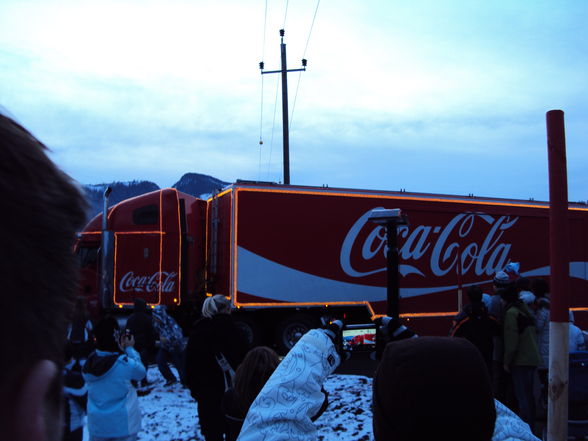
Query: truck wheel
{"type": "Point", "coordinates": [291, 329]}
{"type": "Point", "coordinates": [251, 330]}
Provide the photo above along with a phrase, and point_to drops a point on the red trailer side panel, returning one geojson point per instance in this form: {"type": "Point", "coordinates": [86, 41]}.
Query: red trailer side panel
{"type": "Point", "coordinates": [317, 247]}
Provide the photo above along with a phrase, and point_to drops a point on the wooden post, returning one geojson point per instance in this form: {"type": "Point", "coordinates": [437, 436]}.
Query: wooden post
{"type": "Point", "coordinates": [557, 412]}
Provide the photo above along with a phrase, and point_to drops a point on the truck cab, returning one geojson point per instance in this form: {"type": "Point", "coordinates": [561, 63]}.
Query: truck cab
{"type": "Point", "coordinates": [152, 249]}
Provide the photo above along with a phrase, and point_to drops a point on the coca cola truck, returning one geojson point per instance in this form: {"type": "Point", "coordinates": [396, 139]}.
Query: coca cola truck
{"type": "Point", "coordinates": [285, 255]}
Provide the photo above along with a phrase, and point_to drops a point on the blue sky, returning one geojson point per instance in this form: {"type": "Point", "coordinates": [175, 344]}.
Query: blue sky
{"type": "Point", "coordinates": [430, 96]}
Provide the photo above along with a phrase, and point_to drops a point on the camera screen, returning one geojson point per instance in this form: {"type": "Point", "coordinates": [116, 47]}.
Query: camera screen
{"type": "Point", "coordinates": [363, 339]}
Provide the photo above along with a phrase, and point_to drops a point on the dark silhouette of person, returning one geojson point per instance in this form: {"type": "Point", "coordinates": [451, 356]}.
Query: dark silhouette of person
{"type": "Point", "coordinates": [42, 208]}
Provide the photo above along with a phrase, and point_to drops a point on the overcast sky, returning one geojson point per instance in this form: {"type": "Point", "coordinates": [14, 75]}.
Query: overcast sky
{"type": "Point", "coordinates": [430, 96]}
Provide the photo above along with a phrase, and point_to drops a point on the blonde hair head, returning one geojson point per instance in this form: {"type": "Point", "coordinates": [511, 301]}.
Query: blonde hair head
{"type": "Point", "coordinates": [214, 305]}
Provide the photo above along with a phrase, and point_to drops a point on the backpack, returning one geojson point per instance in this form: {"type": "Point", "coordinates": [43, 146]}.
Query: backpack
{"type": "Point", "coordinates": [228, 371]}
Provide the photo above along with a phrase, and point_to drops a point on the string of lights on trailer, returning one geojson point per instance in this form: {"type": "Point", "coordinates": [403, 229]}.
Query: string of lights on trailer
{"type": "Point", "coordinates": [262, 66]}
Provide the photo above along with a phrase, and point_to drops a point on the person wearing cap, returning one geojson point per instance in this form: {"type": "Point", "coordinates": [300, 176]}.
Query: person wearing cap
{"type": "Point", "coordinates": [521, 352]}
{"type": "Point", "coordinates": [171, 345]}
{"type": "Point", "coordinates": [501, 383]}
{"type": "Point", "coordinates": [476, 325]}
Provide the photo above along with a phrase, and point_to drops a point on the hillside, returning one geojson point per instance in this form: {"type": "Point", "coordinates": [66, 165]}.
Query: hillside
{"type": "Point", "coordinates": [195, 184]}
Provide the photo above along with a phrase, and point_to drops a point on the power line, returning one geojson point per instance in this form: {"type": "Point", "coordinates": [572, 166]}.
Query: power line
{"type": "Point", "coordinates": [303, 56]}
{"type": "Point", "coordinates": [262, 90]}
{"type": "Point", "coordinates": [285, 14]}
{"type": "Point", "coordinates": [311, 26]}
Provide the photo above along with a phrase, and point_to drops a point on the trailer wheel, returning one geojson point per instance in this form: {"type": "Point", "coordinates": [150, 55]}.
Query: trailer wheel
{"type": "Point", "coordinates": [251, 330]}
{"type": "Point", "coordinates": [291, 329]}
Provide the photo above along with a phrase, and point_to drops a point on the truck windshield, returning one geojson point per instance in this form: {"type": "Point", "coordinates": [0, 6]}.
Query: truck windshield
{"type": "Point", "coordinates": [87, 256]}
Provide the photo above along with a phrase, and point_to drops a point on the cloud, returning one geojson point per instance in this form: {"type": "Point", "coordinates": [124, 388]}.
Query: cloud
{"type": "Point", "coordinates": [436, 97]}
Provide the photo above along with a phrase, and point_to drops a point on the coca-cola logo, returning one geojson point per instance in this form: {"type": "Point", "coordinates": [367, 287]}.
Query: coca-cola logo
{"type": "Point", "coordinates": [141, 283]}
{"type": "Point", "coordinates": [432, 249]}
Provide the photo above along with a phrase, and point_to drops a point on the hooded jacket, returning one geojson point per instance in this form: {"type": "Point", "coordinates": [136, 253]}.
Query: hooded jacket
{"type": "Point", "coordinates": [168, 329]}
{"type": "Point", "coordinates": [286, 405]}
{"type": "Point", "coordinates": [113, 406]}
{"type": "Point", "coordinates": [476, 325]}
{"type": "Point", "coordinates": [520, 336]}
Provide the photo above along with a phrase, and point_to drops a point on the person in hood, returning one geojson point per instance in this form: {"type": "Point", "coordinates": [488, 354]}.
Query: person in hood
{"type": "Point", "coordinates": [521, 352]}
{"type": "Point", "coordinates": [42, 208]}
{"type": "Point", "coordinates": [476, 325]}
{"type": "Point", "coordinates": [171, 345]}
{"type": "Point", "coordinates": [113, 405]}
{"type": "Point", "coordinates": [215, 335]}
{"type": "Point", "coordinates": [140, 326]}
{"type": "Point", "coordinates": [425, 388]}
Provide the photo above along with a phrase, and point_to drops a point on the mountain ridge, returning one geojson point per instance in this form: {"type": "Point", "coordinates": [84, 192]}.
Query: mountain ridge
{"type": "Point", "coordinates": [195, 184]}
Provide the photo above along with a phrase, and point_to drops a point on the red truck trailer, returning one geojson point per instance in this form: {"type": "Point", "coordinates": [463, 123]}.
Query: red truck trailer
{"type": "Point", "coordinates": [285, 255]}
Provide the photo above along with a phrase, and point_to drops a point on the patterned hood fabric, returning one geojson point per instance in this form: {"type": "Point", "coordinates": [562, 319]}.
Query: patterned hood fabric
{"type": "Point", "coordinates": [168, 329]}
{"type": "Point", "coordinates": [292, 396]}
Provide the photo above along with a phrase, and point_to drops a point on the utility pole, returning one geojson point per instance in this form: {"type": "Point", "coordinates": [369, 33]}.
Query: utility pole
{"type": "Point", "coordinates": [284, 71]}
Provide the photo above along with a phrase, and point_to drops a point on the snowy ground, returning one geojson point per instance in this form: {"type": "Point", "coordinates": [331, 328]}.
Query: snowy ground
{"type": "Point", "coordinates": [169, 413]}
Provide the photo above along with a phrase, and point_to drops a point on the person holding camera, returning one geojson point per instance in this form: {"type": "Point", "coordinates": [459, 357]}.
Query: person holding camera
{"type": "Point", "coordinates": [113, 406]}
{"type": "Point", "coordinates": [424, 388]}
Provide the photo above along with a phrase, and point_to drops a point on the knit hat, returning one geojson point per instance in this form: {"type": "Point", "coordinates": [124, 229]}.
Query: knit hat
{"type": "Point", "coordinates": [512, 269]}
{"type": "Point", "coordinates": [430, 388]}
{"type": "Point", "coordinates": [501, 279]}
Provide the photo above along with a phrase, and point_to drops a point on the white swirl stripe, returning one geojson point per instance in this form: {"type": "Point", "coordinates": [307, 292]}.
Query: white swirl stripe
{"type": "Point", "coordinates": [264, 278]}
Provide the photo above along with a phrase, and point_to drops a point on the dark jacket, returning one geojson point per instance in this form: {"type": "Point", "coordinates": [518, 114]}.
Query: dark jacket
{"type": "Point", "coordinates": [209, 337]}
{"type": "Point", "coordinates": [234, 415]}
{"type": "Point", "coordinates": [140, 324]}
{"type": "Point", "coordinates": [476, 325]}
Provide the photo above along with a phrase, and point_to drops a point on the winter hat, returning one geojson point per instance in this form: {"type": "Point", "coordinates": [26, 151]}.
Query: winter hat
{"type": "Point", "coordinates": [501, 279]}
{"type": "Point", "coordinates": [512, 269]}
{"type": "Point", "coordinates": [431, 388]}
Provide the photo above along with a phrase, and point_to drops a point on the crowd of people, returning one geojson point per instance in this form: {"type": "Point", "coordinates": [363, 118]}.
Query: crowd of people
{"type": "Point", "coordinates": [62, 369]}
{"type": "Point", "coordinates": [511, 330]}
